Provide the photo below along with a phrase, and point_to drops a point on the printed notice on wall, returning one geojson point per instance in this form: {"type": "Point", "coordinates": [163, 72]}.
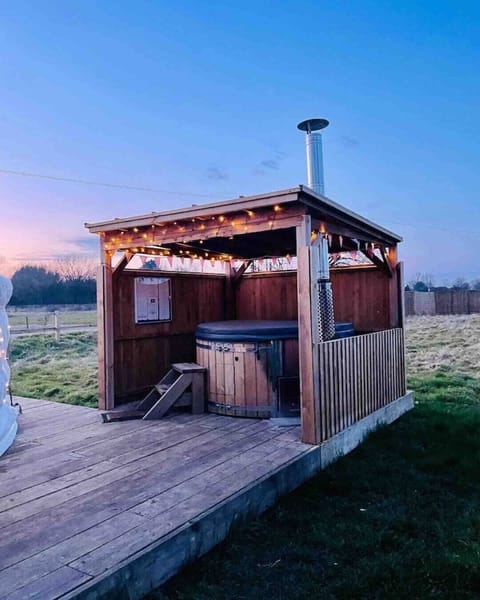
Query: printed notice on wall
{"type": "Point", "coordinates": [152, 299]}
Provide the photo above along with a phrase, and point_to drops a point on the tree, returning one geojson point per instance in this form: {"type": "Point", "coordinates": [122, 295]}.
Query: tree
{"type": "Point", "coordinates": [35, 285]}
{"type": "Point", "coordinates": [75, 268]}
{"type": "Point", "coordinates": [422, 282]}
{"type": "Point", "coordinates": [71, 282]}
{"type": "Point", "coordinates": [475, 284]}
{"type": "Point", "coordinates": [460, 284]}
{"type": "Point", "coordinates": [420, 286]}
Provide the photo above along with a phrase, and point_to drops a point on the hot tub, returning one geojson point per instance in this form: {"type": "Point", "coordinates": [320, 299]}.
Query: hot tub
{"type": "Point", "coordinates": [252, 366]}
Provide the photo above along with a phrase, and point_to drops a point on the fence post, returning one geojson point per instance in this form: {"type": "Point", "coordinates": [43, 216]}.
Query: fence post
{"type": "Point", "coordinates": [26, 321]}
{"type": "Point", "coordinates": [56, 325]}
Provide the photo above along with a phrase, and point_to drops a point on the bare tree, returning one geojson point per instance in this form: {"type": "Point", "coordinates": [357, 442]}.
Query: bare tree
{"type": "Point", "coordinates": [475, 284]}
{"type": "Point", "coordinates": [76, 268]}
{"type": "Point", "coordinates": [460, 284]}
{"type": "Point", "coordinates": [422, 282]}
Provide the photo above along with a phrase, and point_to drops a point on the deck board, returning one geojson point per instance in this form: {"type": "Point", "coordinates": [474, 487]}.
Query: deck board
{"type": "Point", "coordinates": [80, 499]}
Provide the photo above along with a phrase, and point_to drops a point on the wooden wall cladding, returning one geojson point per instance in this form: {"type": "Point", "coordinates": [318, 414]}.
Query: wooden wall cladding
{"type": "Point", "coordinates": [144, 352]}
{"type": "Point", "coordinates": [267, 296]}
{"type": "Point", "coordinates": [368, 298]}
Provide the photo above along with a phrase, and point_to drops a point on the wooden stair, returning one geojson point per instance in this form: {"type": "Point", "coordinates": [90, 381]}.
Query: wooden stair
{"type": "Point", "coordinates": [169, 391]}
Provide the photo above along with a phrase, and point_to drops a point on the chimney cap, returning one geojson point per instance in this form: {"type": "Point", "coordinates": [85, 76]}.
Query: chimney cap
{"type": "Point", "coordinates": [310, 125]}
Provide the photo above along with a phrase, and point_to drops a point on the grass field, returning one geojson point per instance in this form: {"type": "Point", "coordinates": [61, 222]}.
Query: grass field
{"type": "Point", "coordinates": [398, 518]}
{"type": "Point", "coordinates": [65, 370]}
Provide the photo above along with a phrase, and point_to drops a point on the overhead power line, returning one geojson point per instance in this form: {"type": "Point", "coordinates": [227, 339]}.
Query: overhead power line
{"type": "Point", "coordinates": [118, 186]}
{"type": "Point", "coordinates": [193, 194]}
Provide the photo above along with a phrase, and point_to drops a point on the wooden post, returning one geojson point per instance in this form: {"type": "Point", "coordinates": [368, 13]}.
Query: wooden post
{"type": "Point", "coordinates": [308, 356]}
{"type": "Point", "coordinates": [229, 298]}
{"type": "Point", "coordinates": [106, 390]}
{"type": "Point", "coordinates": [56, 325]}
{"type": "Point", "coordinates": [198, 393]}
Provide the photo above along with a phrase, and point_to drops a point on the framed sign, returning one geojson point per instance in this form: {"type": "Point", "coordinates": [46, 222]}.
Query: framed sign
{"type": "Point", "coordinates": [152, 299]}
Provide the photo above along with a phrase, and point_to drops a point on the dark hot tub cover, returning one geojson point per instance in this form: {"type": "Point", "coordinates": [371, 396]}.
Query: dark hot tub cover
{"type": "Point", "coordinates": [247, 331]}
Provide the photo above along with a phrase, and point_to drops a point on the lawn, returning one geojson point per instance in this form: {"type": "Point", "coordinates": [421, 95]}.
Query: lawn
{"type": "Point", "coordinates": [398, 518]}
{"type": "Point", "coordinates": [65, 371]}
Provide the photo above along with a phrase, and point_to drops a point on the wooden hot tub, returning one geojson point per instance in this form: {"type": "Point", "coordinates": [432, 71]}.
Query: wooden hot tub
{"type": "Point", "coordinates": [252, 367]}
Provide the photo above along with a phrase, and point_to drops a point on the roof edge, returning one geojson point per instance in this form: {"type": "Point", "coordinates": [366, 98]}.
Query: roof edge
{"type": "Point", "coordinates": [188, 212]}
{"type": "Point", "coordinates": [352, 214]}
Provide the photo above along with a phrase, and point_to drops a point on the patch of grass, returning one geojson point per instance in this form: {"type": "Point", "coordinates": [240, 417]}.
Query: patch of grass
{"type": "Point", "coordinates": [450, 343]}
{"type": "Point", "coordinates": [398, 518]}
{"type": "Point", "coordinates": [65, 371]}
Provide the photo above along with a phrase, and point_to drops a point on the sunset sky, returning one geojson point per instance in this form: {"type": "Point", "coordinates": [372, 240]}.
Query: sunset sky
{"type": "Point", "coordinates": [200, 100]}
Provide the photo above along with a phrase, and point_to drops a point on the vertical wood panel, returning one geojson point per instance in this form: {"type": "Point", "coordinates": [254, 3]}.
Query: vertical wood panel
{"type": "Point", "coordinates": [358, 376]}
{"type": "Point", "coordinates": [239, 368]}
{"type": "Point", "coordinates": [250, 378]}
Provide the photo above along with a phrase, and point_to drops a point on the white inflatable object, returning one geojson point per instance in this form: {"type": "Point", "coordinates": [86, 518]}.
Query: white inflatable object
{"type": "Point", "coordinates": [8, 416]}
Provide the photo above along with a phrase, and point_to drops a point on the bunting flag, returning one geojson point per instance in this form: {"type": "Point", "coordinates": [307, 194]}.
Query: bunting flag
{"type": "Point", "coordinates": [170, 259]}
{"type": "Point", "coordinates": [340, 240]}
{"type": "Point", "coordinates": [330, 240]}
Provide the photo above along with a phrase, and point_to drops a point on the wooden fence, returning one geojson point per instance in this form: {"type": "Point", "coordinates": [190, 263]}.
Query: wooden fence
{"type": "Point", "coordinates": [358, 375]}
{"type": "Point", "coordinates": [54, 322]}
{"type": "Point", "coordinates": [449, 302]}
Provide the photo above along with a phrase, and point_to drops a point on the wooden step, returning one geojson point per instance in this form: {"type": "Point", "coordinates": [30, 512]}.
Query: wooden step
{"type": "Point", "coordinates": [188, 368]}
{"type": "Point", "coordinates": [168, 399]}
{"type": "Point", "coordinates": [122, 415]}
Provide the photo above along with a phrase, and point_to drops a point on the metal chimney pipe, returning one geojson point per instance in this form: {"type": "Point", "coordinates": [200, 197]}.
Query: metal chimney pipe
{"type": "Point", "coordinates": [313, 145]}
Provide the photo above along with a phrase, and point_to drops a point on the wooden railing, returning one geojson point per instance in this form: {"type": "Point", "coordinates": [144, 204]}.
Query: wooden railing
{"type": "Point", "coordinates": [358, 375]}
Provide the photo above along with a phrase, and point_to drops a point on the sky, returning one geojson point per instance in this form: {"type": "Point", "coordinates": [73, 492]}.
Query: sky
{"type": "Point", "coordinates": [200, 100]}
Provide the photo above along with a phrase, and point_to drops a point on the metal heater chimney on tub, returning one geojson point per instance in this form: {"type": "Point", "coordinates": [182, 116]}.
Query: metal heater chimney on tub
{"type": "Point", "coordinates": [322, 306]}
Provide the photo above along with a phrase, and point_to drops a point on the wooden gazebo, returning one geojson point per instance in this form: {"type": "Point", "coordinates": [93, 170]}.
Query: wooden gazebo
{"type": "Point", "coordinates": [202, 257]}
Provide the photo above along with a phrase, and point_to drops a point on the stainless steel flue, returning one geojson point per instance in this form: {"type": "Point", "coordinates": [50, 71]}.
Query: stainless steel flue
{"type": "Point", "coordinates": [313, 143]}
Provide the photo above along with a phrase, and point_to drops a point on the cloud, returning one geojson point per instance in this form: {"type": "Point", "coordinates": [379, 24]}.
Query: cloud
{"type": "Point", "coordinates": [85, 244]}
{"type": "Point", "coordinates": [216, 173]}
{"type": "Point", "coordinates": [349, 142]}
{"type": "Point", "coordinates": [270, 163]}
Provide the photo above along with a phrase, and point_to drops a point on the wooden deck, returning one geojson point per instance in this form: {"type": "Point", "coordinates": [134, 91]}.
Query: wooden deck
{"type": "Point", "coordinates": [100, 510]}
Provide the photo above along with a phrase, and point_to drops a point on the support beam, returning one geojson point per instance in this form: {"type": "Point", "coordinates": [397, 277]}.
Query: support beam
{"type": "Point", "coordinates": [229, 297]}
{"type": "Point", "coordinates": [239, 272]}
{"type": "Point", "coordinates": [105, 332]}
{"type": "Point", "coordinates": [380, 264]}
{"type": "Point", "coordinates": [117, 270]}
{"type": "Point", "coordinates": [309, 384]}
